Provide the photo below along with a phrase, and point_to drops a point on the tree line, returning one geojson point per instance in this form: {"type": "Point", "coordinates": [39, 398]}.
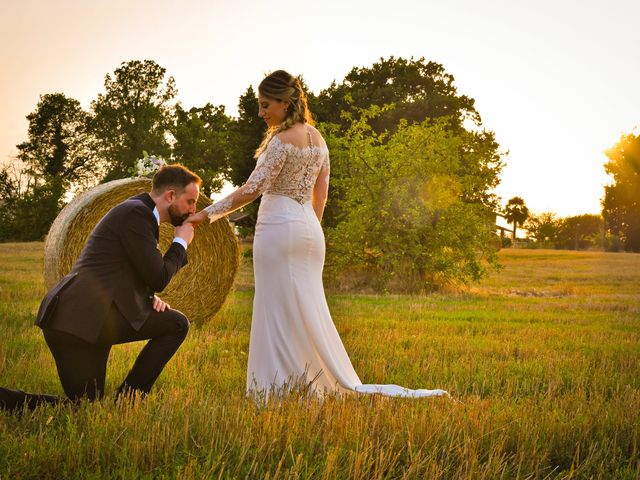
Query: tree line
{"type": "Point", "coordinates": [616, 229]}
{"type": "Point", "coordinates": [548, 230]}
{"type": "Point", "coordinates": [413, 169]}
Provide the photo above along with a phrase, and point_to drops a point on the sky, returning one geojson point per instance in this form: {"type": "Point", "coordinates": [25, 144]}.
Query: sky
{"type": "Point", "coordinates": [557, 81]}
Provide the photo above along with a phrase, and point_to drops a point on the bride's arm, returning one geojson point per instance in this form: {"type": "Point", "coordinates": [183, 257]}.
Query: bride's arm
{"type": "Point", "coordinates": [321, 189]}
{"type": "Point", "coordinates": [266, 170]}
{"type": "Point", "coordinates": [235, 200]}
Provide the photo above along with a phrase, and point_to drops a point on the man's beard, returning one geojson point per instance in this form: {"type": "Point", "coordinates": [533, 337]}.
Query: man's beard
{"type": "Point", "coordinates": [175, 217]}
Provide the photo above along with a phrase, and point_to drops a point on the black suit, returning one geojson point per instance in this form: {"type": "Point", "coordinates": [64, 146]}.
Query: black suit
{"type": "Point", "coordinates": [107, 299]}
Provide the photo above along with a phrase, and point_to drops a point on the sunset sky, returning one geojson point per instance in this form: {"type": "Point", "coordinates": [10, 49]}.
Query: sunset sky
{"type": "Point", "coordinates": [558, 81]}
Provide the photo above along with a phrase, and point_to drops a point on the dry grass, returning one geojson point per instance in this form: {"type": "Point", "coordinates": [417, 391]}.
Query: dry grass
{"type": "Point", "coordinates": [543, 359]}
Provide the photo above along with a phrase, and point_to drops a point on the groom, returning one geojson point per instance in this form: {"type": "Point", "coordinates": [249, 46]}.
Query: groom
{"type": "Point", "coordinates": [108, 297]}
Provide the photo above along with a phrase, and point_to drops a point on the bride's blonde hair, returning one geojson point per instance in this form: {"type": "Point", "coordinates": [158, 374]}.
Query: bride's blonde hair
{"type": "Point", "coordinates": [283, 86]}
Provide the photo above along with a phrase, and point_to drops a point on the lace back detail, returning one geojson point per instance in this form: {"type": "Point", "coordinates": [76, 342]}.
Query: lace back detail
{"type": "Point", "coordinates": [299, 171]}
{"type": "Point", "coordinates": [309, 138]}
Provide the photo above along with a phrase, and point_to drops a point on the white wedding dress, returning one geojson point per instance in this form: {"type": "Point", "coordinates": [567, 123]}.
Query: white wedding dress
{"type": "Point", "coordinates": [293, 339]}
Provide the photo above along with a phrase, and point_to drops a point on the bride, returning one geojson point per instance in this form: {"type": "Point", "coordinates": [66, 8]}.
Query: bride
{"type": "Point", "coordinates": [293, 338]}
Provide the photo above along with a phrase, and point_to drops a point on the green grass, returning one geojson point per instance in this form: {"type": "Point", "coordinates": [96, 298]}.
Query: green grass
{"type": "Point", "coordinates": [542, 359]}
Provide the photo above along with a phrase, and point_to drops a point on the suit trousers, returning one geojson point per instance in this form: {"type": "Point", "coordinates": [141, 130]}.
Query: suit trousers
{"type": "Point", "coordinates": [82, 366]}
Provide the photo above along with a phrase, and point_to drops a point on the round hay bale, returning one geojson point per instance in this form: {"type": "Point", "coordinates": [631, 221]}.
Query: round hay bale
{"type": "Point", "coordinates": [198, 290]}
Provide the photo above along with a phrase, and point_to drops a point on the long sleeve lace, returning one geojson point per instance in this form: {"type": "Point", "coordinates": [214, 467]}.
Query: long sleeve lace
{"type": "Point", "coordinates": [267, 169]}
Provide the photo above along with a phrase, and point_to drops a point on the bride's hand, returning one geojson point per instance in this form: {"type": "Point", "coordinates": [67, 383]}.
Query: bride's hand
{"type": "Point", "coordinates": [196, 218]}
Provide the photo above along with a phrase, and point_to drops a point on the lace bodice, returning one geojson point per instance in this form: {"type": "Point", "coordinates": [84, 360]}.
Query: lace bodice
{"type": "Point", "coordinates": [299, 170]}
{"type": "Point", "coordinates": [282, 169]}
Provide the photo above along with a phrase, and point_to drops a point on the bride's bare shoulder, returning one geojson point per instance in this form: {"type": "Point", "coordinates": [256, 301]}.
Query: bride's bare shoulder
{"type": "Point", "coordinates": [295, 135]}
{"type": "Point", "coordinates": [298, 136]}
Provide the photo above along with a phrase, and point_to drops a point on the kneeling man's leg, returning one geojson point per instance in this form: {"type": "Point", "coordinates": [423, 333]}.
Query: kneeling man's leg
{"type": "Point", "coordinates": [15, 400]}
{"type": "Point", "coordinates": [82, 366]}
{"type": "Point", "coordinates": [166, 331]}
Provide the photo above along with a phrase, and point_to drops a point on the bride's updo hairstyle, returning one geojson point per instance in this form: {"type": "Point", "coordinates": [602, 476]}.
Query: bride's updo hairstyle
{"type": "Point", "coordinates": [283, 86]}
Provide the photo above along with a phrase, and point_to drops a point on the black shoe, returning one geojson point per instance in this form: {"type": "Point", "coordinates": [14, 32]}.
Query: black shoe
{"type": "Point", "coordinates": [11, 400]}
{"type": "Point", "coordinates": [15, 400]}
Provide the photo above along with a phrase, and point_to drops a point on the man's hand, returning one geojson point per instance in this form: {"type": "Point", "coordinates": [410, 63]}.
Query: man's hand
{"type": "Point", "coordinates": [159, 305]}
{"type": "Point", "coordinates": [185, 231]}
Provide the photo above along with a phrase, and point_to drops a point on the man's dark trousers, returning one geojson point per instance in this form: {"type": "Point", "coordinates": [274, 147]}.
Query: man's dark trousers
{"type": "Point", "coordinates": [82, 365]}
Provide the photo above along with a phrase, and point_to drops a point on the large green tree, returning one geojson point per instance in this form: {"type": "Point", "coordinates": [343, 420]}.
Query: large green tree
{"type": "Point", "coordinates": [418, 89]}
{"type": "Point", "coordinates": [59, 145]}
{"type": "Point", "coordinates": [202, 143]}
{"type": "Point", "coordinates": [56, 157]}
{"type": "Point", "coordinates": [409, 91]}
{"type": "Point", "coordinates": [621, 202]}
{"type": "Point", "coordinates": [417, 209]}
{"type": "Point", "coordinates": [133, 115]}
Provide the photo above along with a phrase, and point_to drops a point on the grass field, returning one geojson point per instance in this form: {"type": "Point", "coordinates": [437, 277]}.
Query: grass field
{"type": "Point", "coordinates": [542, 359]}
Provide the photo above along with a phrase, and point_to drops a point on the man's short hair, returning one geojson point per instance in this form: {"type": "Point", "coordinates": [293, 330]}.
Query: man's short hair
{"type": "Point", "coordinates": [174, 176]}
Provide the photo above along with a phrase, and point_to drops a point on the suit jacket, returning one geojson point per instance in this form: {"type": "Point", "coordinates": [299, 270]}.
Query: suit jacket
{"type": "Point", "coordinates": [120, 264]}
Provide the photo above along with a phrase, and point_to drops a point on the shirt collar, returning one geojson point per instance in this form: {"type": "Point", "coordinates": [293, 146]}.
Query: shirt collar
{"type": "Point", "coordinates": [156, 214]}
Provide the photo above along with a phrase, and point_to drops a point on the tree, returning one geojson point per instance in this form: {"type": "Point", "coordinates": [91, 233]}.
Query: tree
{"type": "Point", "coordinates": [621, 202]}
{"type": "Point", "coordinates": [13, 183]}
{"type": "Point", "coordinates": [58, 144]}
{"type": "Point", "coordinates": [580, 232]}
{"type": "Point", "coordinates": [516, 212]}
{"type": "Point", "coordinates": [133, 115]}
{"type": "Point", "coordinates": [543, 228]}
{"type": "Point", "coordinates": [418, 89]}
{"type": "Point", "coordinates": [247, 132]}
{"type": "Point", "coordinates": [202, 143]}
{"type": "Point", "coordinates": [410, 91]}
{"type": "Point", "coordinates": [27, 205]}
{"type": "Point", "coordinates": [56, 157]}
{"type": "Point", "coordinates": [417, 212]}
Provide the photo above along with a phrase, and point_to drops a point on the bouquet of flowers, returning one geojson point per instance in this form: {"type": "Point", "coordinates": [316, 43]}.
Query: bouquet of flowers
{"type": "Point", "coordinates": [148, 164]}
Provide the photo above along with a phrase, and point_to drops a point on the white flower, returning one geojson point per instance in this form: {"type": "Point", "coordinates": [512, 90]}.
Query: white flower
{"type": "Point", "coordinates": [158, 162]}
{"type": "Point", "coordinates": [148, 164]}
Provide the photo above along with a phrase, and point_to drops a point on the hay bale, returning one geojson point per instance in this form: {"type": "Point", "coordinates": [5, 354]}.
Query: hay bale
{"type": "Point", "coordinates": [198, 290]}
